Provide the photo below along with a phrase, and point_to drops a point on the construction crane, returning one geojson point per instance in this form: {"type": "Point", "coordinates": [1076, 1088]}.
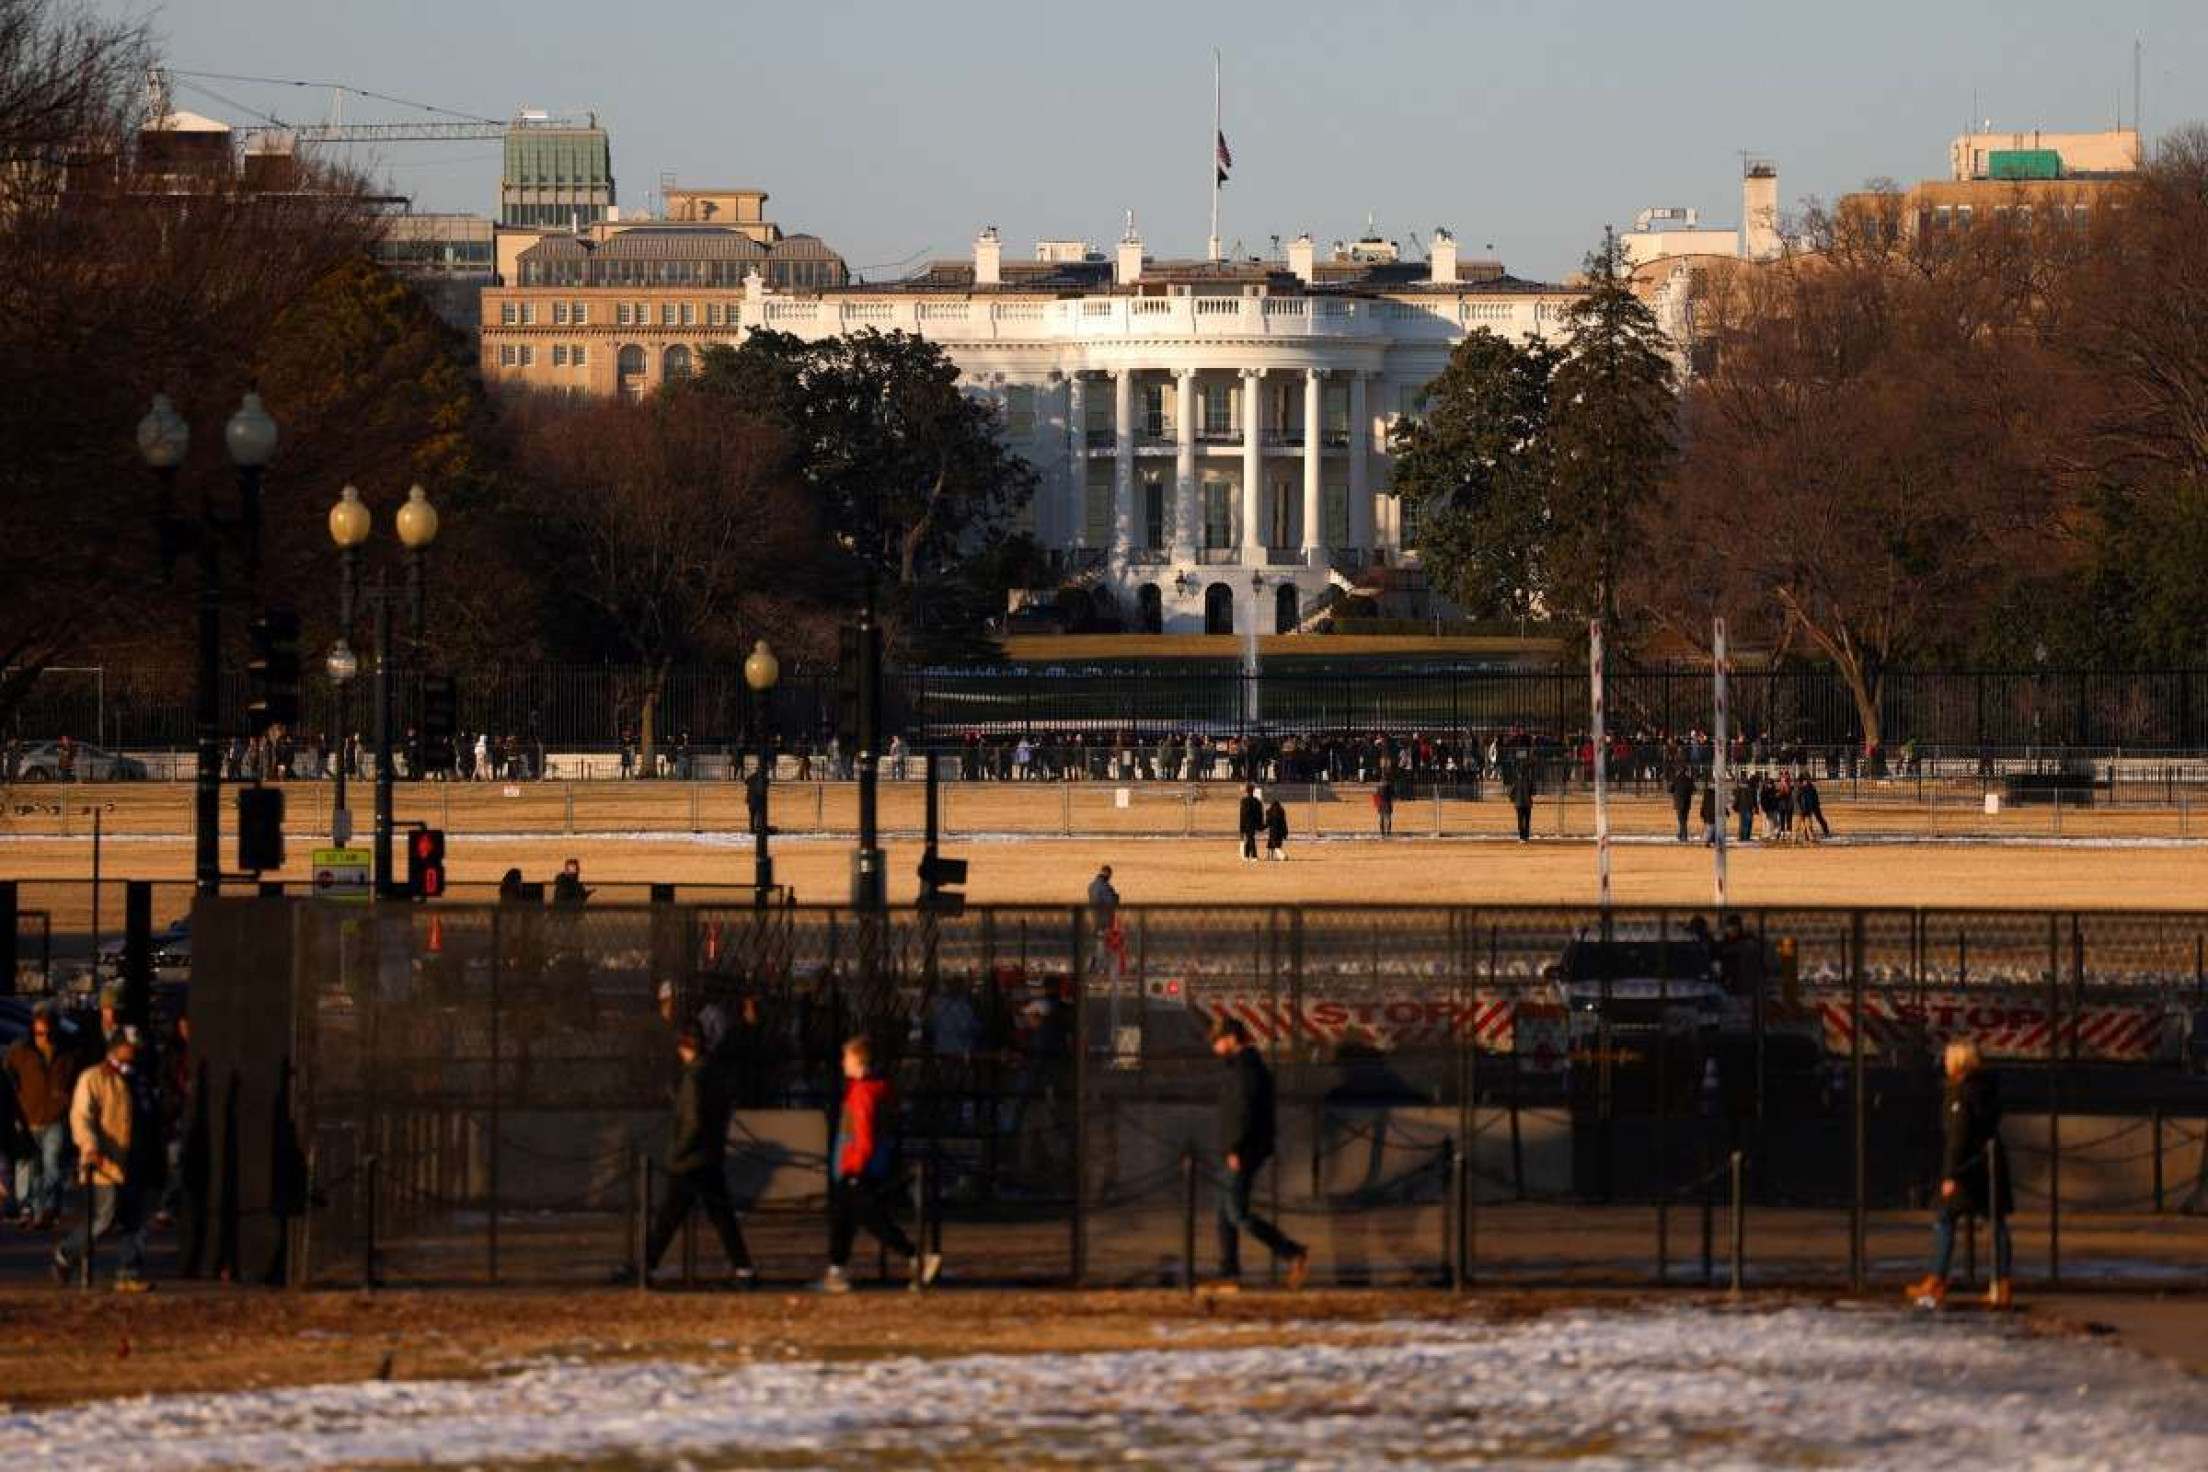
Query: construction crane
{"type": "Point", "coordinates": [276, 135]}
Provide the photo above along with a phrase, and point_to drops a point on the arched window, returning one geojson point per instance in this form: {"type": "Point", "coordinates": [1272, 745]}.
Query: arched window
{"type": "Point", "coordinates": [674, 363]}
{"type": "Point", "coordinates": [1150, 609]}
{"type": "Point", "coordinates": [1284, 609]}
{"type": "Point", "coordinates": [629, 369]}
{"type": "Point", "coordinates": [1218, 609]}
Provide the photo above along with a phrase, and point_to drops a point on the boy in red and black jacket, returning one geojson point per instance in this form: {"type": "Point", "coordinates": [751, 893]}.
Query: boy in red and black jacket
{"type": "Point", "coordinates": [860, 1165]}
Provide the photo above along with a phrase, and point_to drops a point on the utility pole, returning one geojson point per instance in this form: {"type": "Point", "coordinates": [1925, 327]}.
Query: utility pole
{"type": "Point", "coordinates": [869, 889]}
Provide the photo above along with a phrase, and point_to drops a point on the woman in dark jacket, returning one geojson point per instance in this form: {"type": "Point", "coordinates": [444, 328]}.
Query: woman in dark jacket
{"type": "Point", "coordinates": [1276, 830]}
{"type": "Point", "coordinates": [1974, 1175]}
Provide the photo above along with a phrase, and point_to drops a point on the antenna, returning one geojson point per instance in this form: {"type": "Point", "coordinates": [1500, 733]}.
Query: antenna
{"type": "Point", "coordinates": [2138, 117]}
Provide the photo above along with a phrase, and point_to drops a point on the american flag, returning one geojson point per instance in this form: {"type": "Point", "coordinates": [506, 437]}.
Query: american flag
{"type": "Point", "coordinates": [1225, 159]}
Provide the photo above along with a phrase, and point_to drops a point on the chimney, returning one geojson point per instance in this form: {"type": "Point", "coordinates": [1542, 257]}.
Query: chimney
{"type": "Point", "coordinates": [1128, 269]}
{"type": "Point", "coordinates": [1759, 211]}
{"type": "Point", "coordinates": [1443, 254]}
{"type": "Point", "coordinates": [1302, 258]}
{"type": "Point", "coordinates": [988, 258]}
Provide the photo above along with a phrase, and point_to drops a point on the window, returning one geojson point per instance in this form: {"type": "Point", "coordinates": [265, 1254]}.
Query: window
{"type": "Point", "coordinates": [1337, 515]}
{"type": "Point", "coordinates": [1096, 519]}
{"type": "Point", "coordinates": [712, 314]}
{"type": "Point", "coordinates": [528, 314]}
{"type": "Point", "coordinates": [1335, 407]}
{"type": "Point", "coordinates": [1019, 412]}
{"type": "Point", "coordinates": [1157, 513]}
{"type": "Point", "coordinates": [666, 314]}
{"type": "Point", "coordinates": [689, 314]}
{"type": "Point", "coordinates": [1406, 400]}
{"type": "Point", "coordinates": [621, 315]}
{"type": "Point", "coordinates": [1218, 513]}
{"type": "Point", "coordinates": [507, 356]}
{"type": "Point", "coordinates": [1153, 411]}
{"type": "Point", "coordinates": [509, 314]}
{"type": "Point", "coordinates": [579, 313]}
{"type": "Point", "coordinates": [559, 314]}
{"type": "Point", "coordinates": [528, 356]}
{"type": "Point", "coordinates": [559, 355]}
{"type": "Point", "coordinates": [675, 362]}
{"type": "Point", "coordinates": [1219, 409]}
{"type": "Point", "coordinates": [578, 355]}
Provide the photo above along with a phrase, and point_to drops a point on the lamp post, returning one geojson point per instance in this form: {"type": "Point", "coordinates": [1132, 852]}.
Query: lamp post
{"type": "Point", "coordinates": [761, 671]}
{"type": "Point", "coordinates": [350, 524]}
{"type": "Point", "coordinates": [417, 524]}
{"type": "Point", "coordinates": [164, 439]}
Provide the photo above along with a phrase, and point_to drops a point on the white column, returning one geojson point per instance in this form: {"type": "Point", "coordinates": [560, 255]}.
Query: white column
{"type": "Point", "coordinates": [1076, 495]}
{"type": "Point", "coordinates": [1123, 464]}
{"type": "Point", "coordinates": [1253, 468]}
{"type": "Point", "coordinates": [1360, 442]}
{"type": "Point", "coordinates": [1187, 516]}
{"type": "Point", "coordinates": [1314, 510]}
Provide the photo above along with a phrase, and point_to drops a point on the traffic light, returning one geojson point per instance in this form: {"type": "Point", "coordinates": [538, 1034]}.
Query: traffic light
{"type": "Point", "coordinates": [260, 829]}
{"type": "Point", "coordinates": [425, 863]}
{"type": "Point", "coordinates": [272, 671]}
{"type": "Point", "coordinates": [440, 718]}
{"type": "Point", "coordinates": [937, 874]}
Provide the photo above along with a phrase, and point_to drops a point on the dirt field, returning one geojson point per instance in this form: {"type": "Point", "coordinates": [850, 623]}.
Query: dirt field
{"type": "Point", "coordinates": [57, 1347]}
{"type": "Point", "coordinates": [1426, 871]}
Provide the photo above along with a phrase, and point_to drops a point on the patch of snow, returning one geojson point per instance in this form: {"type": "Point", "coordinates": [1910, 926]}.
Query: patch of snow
{"type": "Point", "coordinates": [1601, 1387]}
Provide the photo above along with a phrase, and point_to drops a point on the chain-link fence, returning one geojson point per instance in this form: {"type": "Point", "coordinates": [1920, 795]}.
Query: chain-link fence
{"type": "Point", "coordinates": [1511, 1094]}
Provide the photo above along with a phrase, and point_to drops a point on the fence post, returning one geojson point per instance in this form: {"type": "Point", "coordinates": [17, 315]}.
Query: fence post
{"type": "Point", "coordinates": [643, 1219]}
{"type": "Point", "coordinates": [371, 1278]}
{"type": "Point", "coordinates": [2054, 1099]}
{"type": "Point", "coordinates": [1739, 1225]}
{"type": "Point", "coordinates": [1079, 980]}
{"type": "Point", "coordinates": [1188, 1218]}
{"type": "Point", "coordinates": [920, 1225]}
{"type": "Point", "coordinates": [1859, 1218]}
{"type": "Point", "coordinates": [2157, 1118]}
{"type": "Point", "coordinates": [1452, 1216]}
{"type": "Point", "coordinates": [301, 1263]}
{"type": "Point", "coordinates": [1065, 807]}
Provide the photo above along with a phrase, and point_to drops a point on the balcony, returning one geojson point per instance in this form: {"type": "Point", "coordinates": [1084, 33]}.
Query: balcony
{"type": "Point", "coordinates": [1099, 439]}
{"type": "Point", "coordinates": [1146, 557]}
{"type": "Point", "coordinates": [1289, 438]}
{"type": "Point", "coordinates": [1208, 435]}
{"type": "Point", "coordinates": [1284, 557]}
{"type": "Point", "coordinates": [1219, 556]}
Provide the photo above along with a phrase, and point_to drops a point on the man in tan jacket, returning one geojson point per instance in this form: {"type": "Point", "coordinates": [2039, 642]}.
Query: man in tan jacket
{"type": "Point", "coordinates": [103, 1122]}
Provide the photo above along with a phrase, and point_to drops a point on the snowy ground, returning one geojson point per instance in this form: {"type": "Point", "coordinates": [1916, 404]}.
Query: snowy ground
{"type": "Point", "coordinates": [1599, 1388]}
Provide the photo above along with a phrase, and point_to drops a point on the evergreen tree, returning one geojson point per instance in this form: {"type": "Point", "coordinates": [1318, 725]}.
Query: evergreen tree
{"type": "Point", "coordinates": [1612, 434]}
{"type": "Point", "coordinates": [1474, 475]}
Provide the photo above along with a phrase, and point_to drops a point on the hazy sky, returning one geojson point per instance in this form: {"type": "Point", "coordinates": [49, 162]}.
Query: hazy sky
{"type": "Point", "coordinates": [898, 129]}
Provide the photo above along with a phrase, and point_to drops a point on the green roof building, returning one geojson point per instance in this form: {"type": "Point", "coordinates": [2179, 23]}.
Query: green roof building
{"type": "Point", "coordinates": [558, 174]}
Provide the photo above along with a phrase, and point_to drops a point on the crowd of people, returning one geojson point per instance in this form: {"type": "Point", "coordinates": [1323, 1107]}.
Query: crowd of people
{"type": "Point", "coordinates": [108, 1107]}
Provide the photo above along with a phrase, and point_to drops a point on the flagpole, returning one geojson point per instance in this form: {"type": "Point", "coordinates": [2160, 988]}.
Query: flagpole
{"type": "Point", "coordinates": [1211, 153]}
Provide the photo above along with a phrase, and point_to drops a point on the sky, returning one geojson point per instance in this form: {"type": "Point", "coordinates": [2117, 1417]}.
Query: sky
{"type": "Point", "coordinates": [895, 131]}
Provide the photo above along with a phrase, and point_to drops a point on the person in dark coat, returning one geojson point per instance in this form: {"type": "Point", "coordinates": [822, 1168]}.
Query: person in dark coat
{"type": "Point", "coordinates": [1811, 806]}
{"type": "Point", "coordinates": [1682, 798]}
{"type": "Point", "coordinates": [697, 1143]}
{"type": "Point", "coordinates": [1709, 814]}
{"type": "Point", "coordinates": [1251, 823]}
{"type": "Point", "coordinates": [1744, 807]}
{"type": "Point", "coordinates": [1383, 804]}
{"type": "Point", "coordinates": [1276, 831]}
{"type": "Point", "coordinates": [1521, 797]}
{"type": "Point", "coordinates": [1247, 1134]}
{"type": "Point", "coordinates": [1975, 1179]}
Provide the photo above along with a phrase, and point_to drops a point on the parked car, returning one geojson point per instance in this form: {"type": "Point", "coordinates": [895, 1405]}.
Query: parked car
{"type": "Point", "coordinates": [172, 952]}
{"type": "Point", "coordinates": [41, 762]}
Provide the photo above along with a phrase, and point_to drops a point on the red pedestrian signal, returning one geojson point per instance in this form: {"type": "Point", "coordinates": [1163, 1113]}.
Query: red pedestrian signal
{"type": "Point", "coordinates": [425, 863]}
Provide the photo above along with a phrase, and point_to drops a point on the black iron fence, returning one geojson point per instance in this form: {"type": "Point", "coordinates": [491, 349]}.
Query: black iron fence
{"type": "Point", "coordinates": [1518, 1095]}
{"type": "Point", "coordinates": [593, 709]}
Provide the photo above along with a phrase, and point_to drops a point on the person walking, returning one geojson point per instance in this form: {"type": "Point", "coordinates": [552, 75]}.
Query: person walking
{"type": "Point", "coordinates": [1521, 797]}
{"type": "Point", "coordinates": [697, 1176]}
{"type": "Point", "coordinates": [1383, 804]}
{"type": "Point", "coordinates": [1247, 1135]}
{"type": "Point", "coordinates": [1709, 814]}
{"type": "Point", "coordinates": [103, 1120]}
{"type": "Point", "coordinates": [42, 1075]}
{"type": "Point", "coordinates": [1276, 831]}
{"type": "Point", "coordinates": [1250, 822]}
{"type": "Point", "coordinates": [859, 1195]}
{"type": "Point", "coordinates": [568, 891]}
{"type": "Point", "coordinates": [1103, 900]}
{"type": "Point", "coordinates": [1744, 807]}
{"type": "Point", "coordinates": [1682, 797]}
{"type": "Point", "coordinates": [1974, 1176]}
